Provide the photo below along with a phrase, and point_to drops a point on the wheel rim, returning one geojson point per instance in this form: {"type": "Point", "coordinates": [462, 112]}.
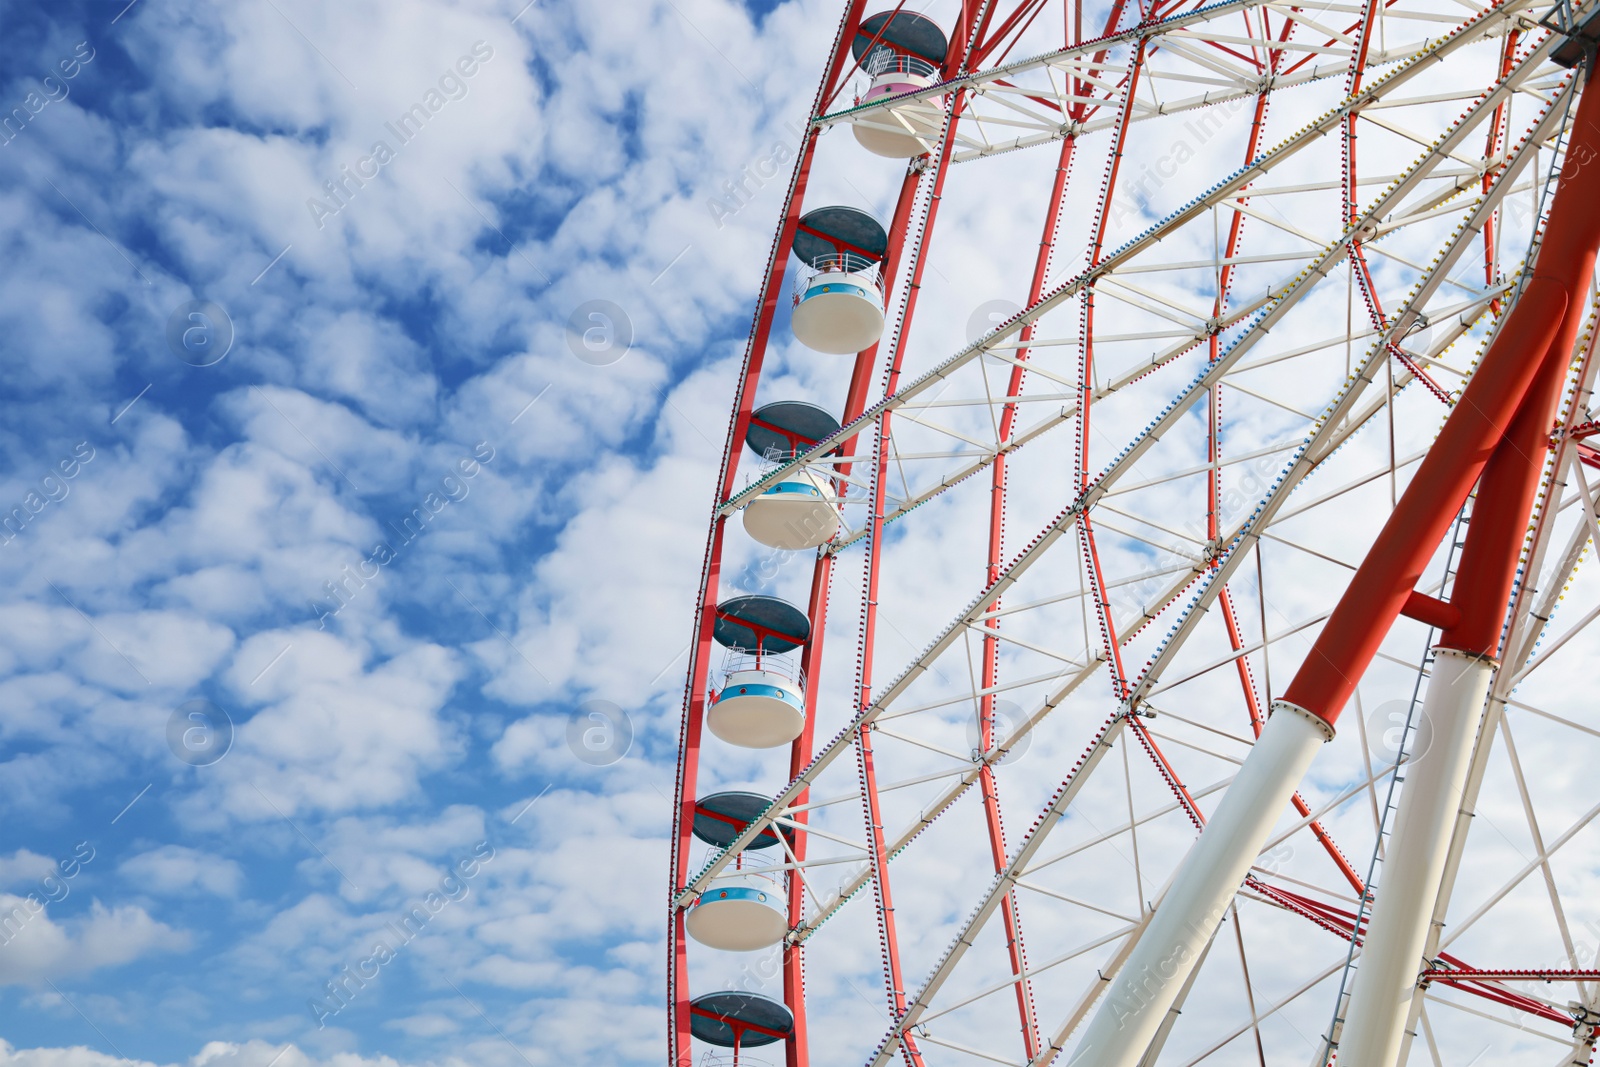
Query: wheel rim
{"type": "Point", "coordinates": [1247, 411]}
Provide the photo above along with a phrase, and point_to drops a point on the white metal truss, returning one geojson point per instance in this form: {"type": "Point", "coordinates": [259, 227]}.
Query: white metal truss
{"type": "Point", "coordinates": [1319, 377]}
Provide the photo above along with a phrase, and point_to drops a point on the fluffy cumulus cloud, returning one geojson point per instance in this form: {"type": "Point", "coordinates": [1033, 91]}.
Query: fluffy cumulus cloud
{"type": "Point", "coordinates": [38, 948]}
{"type": "Point", "coordinates": [176, 869]}
{"type": "Point", "coordinates": [212, 1054]}
{"type": "Point", "coordinates": [318, 531]}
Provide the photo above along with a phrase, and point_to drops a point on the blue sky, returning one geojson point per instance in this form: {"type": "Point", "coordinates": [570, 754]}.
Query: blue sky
{"type": "Point", "coordinates": [368, 372]}
{"type": "Point", "coordinates": [406, 354]}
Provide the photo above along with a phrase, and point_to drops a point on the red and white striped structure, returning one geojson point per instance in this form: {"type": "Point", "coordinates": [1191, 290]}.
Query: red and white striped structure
{"type": "Point", "coordinates": [1297, 386]}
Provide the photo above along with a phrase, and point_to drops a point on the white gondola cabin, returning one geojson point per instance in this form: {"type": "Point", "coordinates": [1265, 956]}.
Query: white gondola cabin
{"type": "Point", "coordinates": [838, 292]}
{"type": "Point", "coordinates": [802, 510]}
{"type": "Point", "coordinates": [901, 52]}
{"type": "Point", "coordinates": [740, 911]}
{"type": "Point", "coordinates": [761, 700]}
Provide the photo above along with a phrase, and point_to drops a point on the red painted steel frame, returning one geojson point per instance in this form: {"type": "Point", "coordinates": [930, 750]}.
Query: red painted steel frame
{"type": "Point", "coordinates": [678, 1037]}
{"type": "Point", "coordinates": [988, 785]}
{"type": "Point", "coordinates": [1091, 554]}
{"type": "Point", "coordinates": [1498, 430]}
{"type": "Point", "coordinates": [1459, 974]}
{"type": "Point", "coordinates": [1214, 446]}
{"type": "Point", "coordinates": [798, 1053]}
{"type": "Point", "coordinates": [1497, 138]}
{"type": "Point", "coordinates": [888, 930]}
{"type": "Point", "coordinates": [991, 645]}
{"type": "Point", "coordinates": [974, 14]}
{"type": "Point", "coordinates": [970, 28]}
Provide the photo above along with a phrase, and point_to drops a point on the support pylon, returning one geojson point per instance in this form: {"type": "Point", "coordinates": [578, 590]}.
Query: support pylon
{"type": "Point", "coordinates": [1497, 433]}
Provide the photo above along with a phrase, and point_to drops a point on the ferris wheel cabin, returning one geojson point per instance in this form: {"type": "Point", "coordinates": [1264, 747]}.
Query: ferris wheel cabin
{"type": "Point", "coordinates": [838, 297]}
{"type": "Point", "coordinates": [902, 52]}
{"type": "Point", "coordinates": [740, 912]}
{"type": "Point", "coordinates": [762, 701]}
{"type": "Point", "coordinates": [801, 511]}
{"type": "Point", "coordinates": [733, 1019]}
{"type": "Point", "coordinates": [743, 910]}
{"type": "Point", "coordinates": [721, 817]}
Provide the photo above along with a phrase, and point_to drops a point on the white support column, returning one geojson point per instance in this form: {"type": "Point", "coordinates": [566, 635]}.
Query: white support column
{"type": "Point", "coordinates": [1174, 941]}
{"type": "Point", "coordinates": [1386, 978]}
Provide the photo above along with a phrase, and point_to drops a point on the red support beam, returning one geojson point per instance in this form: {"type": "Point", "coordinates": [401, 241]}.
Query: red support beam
{"type": "Point", "coordinates": [1505, 400]}
{"type": "Point", "coordinates": [887, 927]}
{"type": "Point", "coordinates": [1456, 974]}
{"type": "Point", "coordinates": [1091, 553]}
{"type": "Point", "coordinates": [1214, 453]}
{"type": "Point", "coordinates": [1431, 610]}
{"type": "Point", "coordinates": [988, 785]}
{"type": "Point", "coordinates": [974, 17]}
{"type": "Point", "coordinates": [1505, 499]}
{"type": "Point", "coordinates": [798, 1051]}
{"type": "Point", "coordinates": [1496, 139]}
{"type": "Point", "coordinates": [991, 645]}
{"type": "Point", "coordinates": [679, 1048]}
{"type": "Point", "coordinates": [1515, 974]}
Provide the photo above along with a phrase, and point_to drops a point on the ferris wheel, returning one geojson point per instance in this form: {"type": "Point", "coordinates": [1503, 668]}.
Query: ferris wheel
{"type": "Point", "coordinates": [1144, 616]}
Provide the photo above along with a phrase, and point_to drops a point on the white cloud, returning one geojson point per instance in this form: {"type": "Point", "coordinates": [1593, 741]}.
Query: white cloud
{"type": "Point", "coordinates": [22, 868]}
{"type": "Point", "coordinates": [176, 869]}
{"type": "Point", "coordinates": [422, 318]}
{"type": "Point", "coordinates": [426, 1025]}
{"type": "Point", "coordinates": [42, 948]}
{"type": "Point", "coordinates": [212, 1054]}
{"type": "Point", "coordinates": [343, 726]}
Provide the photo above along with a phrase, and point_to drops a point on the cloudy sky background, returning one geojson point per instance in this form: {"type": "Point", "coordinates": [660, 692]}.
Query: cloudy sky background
{"type": "Point", "coordinates": [376, 349]}
{"type": "Point", "coordinates": [404, 348]}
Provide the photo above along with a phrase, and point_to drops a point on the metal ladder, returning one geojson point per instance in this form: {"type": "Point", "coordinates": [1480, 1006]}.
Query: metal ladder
{"type": "Point", "coordinates": [1327, 1047]}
